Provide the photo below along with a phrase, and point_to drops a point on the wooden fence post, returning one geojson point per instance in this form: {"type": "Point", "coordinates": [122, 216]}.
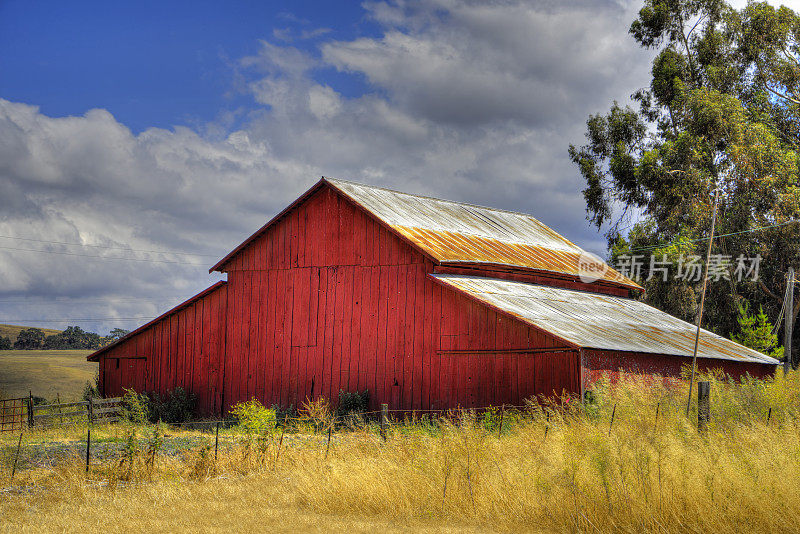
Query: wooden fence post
{"type": "Point", "coordinates": [30, 409]}
{"type": "Point", "coordinates": [384, 419]}
{"type": "Point", "coordinates": [88, 446]}
{"type": "Point", "coordinates": [703, 406]}
{"type": "Point", "coordinates": [16, 457]}
{"type": "Point", "coordinates": [89, 413]}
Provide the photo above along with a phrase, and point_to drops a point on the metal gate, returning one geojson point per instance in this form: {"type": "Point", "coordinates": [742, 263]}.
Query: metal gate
{"type": "Point", "coordinates": [12, 412]}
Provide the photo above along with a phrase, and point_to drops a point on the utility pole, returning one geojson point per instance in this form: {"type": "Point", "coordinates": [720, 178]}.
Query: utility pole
{"type": "Point", "coordinates": [789, 322]}
{"type": "Point", "coordinates": [702, 300]}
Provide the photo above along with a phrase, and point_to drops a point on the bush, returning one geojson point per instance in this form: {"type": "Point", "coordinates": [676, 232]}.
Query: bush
{"type": "Point", "coordinates": [5, 343]}
{"type": "Point", "coordinates": [136, 407]}
{"type": "Point", "coordinates": [92, 391]}
{"type": "Point", "coordinates": [253, 418]}
{"type": "Point", "coordinates": [352, 403]}
{"type": "Point", "coordinates": [177, 406]}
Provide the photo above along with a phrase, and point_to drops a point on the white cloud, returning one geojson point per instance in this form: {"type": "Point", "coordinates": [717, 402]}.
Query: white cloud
{"type": "Point", "coordinates": [472, 101]}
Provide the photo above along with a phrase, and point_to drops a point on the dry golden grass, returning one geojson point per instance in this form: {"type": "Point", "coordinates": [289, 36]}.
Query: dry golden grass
{"type": "Point", "coordinates": [571, 472]}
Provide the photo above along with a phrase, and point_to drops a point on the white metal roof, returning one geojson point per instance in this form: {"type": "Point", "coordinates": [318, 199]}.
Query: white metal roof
{"type": "Point", "coordinates": [465, 233]}
{"type": "Point", "coordinates": [591, 320]}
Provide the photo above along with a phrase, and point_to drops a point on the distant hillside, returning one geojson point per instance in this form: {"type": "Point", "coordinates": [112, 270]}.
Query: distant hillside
{"type": "Point", "coordinates": [11, 331]}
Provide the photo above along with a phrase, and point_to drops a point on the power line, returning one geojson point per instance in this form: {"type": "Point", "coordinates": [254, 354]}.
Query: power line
{"type": "Point", "coordinates": [756, 229]}
{"type": "Point", "coordinates": [107, 247]}
{"type": "Point", "coordinates": [67, 300]}
{"type": "Point", "coordinates": [102, 257]}
{"type": "Point", "coordinates": [17, 321]}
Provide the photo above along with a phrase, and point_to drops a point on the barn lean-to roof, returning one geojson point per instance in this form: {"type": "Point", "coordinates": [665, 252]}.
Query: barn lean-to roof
{"type": "Point", "coordinates": [592, 320]}
{"type": "Point", "coordinates": [96, 355]}
{"type": "Point", "coordinates": [455, 233]}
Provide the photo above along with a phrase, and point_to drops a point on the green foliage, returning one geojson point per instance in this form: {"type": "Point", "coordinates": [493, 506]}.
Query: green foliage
{"type": "Point", "coordinates": [755, 331]}
{"type": "Point", "coordinates": [352, 403]}
{"type": "Point", "coordinates": [253, 418]}
{"type": "Point", "coordinates": [177, 406]}
{"type": "Point", "coordinates": [29, 339]}
{"type": "Point", "coordinates": [92, 390]}
{"type": "Point", "coordinates": [136, 407]}
{"type": "Point", "coordinates": [722, 110]}
{"type": "Point", "coordinates": [5, 343]}
{"type": "Point", "coordinates": [72, 338]}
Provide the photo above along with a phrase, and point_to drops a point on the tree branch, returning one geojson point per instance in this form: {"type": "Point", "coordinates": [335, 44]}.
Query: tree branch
{"type": "Point", "coordinates": [766, 290]}
{"type": "Point", "coordinates": [781, 95]}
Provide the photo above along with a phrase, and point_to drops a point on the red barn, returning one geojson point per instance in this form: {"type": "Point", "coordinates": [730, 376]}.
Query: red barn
{"type": "Point", "coordinates": [426, 303]}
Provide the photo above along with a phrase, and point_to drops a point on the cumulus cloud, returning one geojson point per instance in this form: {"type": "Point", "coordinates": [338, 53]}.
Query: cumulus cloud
{"type": "Point", "coordinates": [471, 101]}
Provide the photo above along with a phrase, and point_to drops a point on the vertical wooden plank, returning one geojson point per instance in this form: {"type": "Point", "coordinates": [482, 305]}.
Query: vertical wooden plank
{"type": "Point", "coordinates": [347, 311]}
{"type": "Point", "coordinates": [318, 334]}
{"type": "Point", "coordinates": [370, 331]}
{"type": "Point", "coordinates": [257, 333]}
{"type": "Point", "coordinates": [355, 374]}
{"type": "Point", "coordinates": [286, 336]}
{"type": "Point", "coordinates": [268, 336]}
{"type": "Point", "coordinates": [313, 303]}
{"type": "Point", "coordinates": [338, 333]}
{"type": "Point", "coordinates": [190, 355]}
{"type": "Point", "coordinates": [409, 332]}
{"type": "Point", "coordinates": [381, 369]}
{"type": "Point", "coordinates": [392, 333]}
{"type": "Point", "coordinates": [328, 282]}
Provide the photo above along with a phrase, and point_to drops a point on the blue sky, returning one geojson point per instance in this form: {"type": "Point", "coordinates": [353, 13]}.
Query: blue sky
{"type": "Point", "coordinates": [156, 63]}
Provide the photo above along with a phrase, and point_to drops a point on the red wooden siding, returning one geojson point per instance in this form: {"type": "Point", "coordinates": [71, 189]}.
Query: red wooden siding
{"type": "Point", "coordinates": [182, 348]}
{"type": "Point", "coordinates": [617, 364]}
{"type": "Point", "coordinates": [327, 299]}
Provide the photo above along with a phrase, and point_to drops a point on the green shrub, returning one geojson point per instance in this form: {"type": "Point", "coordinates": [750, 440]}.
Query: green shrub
{"type": "Point", "coordinates": [92, 390]}
{"type": "Point", "coordinates": [177, 406]}
{"type": "Point", "coordinates": [253, 418]}
{"type": "Point", "coordinates": [136, 407]}
{"type": "Point", "coordinates": [352, 403]}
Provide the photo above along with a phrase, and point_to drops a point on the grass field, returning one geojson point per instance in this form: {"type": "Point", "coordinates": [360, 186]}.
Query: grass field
{"type": "Point", "coordinates": [629, 462]}
{"type": "Point", "coordinates": [11, 331]}
{"type": "Point", "coordinates": [45, 373]}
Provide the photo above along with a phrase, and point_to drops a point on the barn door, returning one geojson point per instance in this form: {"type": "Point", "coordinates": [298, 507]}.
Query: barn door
{"type": "Point", "coordinates": [132, 374]}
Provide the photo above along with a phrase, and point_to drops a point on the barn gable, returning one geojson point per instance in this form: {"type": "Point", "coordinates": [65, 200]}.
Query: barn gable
{"type": "Point", "coordinates": [452, 235]}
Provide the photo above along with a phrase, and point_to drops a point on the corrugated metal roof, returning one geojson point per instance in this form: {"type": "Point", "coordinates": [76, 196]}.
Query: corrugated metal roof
{"type": "Point", "coordinates": [591, 320]}
{"type": "Point", "coordinates": [465, 233]}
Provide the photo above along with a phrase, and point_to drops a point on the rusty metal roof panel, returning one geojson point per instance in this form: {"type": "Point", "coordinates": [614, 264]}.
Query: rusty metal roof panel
{"type": "Point", "coordinates": [597, 321]}
{"type": "Point", "coordinates": [465, 233]}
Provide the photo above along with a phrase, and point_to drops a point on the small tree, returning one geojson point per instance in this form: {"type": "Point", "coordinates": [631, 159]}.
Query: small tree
{"type": "Point", "coordinates": [5, 343]}
{"type": "Point", "coordinates": [755, 331]}
{"type": "Point", "coordinates": [29, 339]}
